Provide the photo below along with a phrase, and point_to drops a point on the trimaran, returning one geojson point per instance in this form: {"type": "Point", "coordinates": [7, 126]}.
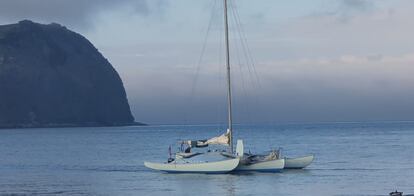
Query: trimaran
{"type": "Point", "coordinates": [226, 161]}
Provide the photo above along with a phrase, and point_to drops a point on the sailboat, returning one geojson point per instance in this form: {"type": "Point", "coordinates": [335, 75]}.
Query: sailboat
{"type": "Point", "coordinates": [219, 161]}
{"type": "Point", "coordinates": [210, 162]}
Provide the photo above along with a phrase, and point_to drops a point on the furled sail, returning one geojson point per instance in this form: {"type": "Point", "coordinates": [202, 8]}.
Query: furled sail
{"type": "Point", "coordinates": [223, 139]}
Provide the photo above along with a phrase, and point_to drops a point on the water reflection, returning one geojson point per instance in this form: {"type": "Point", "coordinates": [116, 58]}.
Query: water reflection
{"type": "Point", "coordinates": [219, 184]}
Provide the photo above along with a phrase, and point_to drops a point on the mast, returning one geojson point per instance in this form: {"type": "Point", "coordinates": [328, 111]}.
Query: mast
{"type": "Point", "coordinates": [230, 115]}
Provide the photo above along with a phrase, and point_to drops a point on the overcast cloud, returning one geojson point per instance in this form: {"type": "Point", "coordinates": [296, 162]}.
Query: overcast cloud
{"type": "Point", "coordinates": [322, 60]}
{"type": "Point", "coordinates": [73, 13]}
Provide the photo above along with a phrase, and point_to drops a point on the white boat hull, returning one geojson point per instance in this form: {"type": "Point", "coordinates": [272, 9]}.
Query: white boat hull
{"type": "Point", "coordinates": [265, 166]}
{"type": "Point", "coordinates": [217, 167]}
{"type": "Point", "coordinates": [298, 163]}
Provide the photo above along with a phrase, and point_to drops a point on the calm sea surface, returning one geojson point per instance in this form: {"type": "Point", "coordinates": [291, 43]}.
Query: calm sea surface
{"type": "Point", "coordinates": [351, 159]}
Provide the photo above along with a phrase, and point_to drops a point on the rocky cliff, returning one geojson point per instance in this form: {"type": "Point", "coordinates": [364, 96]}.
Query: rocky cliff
{"type": "Point", "coordinates": [51, 76]}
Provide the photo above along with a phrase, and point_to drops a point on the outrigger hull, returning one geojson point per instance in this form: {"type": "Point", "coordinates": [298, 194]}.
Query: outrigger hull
{"type": "Point", "coordinates": [298, 163]}
{"type": "Point", "coordinates": [217, 167]}
{"type": "Point", "coordinates": [265, 166]}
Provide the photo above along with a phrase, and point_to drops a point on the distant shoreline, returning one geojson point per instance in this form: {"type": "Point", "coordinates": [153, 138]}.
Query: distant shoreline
{"type": "Point", "coordinates": [79, 125]}
{"type": "Point", "coordinates": [285, 123]}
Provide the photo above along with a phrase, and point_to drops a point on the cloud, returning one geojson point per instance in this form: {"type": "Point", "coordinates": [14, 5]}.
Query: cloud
{"type": "Point", "coordinates": [379, 31]}
{"type": "Point", "coordinates": [311, 69]}
{"type": "Point", "coordinates": [345, 10]}
{"type": "Point", "coordinates": [343, 88]}
{"type": "Point", "coordinates": [351, 60]}
{"type": "Point", "coordinates": [74, 13]}
{"type": "Point", "coordinates": [349, 8]}
{"type": "Point", "coordinates": [360, 5]}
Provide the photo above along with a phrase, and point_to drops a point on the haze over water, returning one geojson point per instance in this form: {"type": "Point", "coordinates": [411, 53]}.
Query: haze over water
{"type": "Point", "coordinates": [351, 159]}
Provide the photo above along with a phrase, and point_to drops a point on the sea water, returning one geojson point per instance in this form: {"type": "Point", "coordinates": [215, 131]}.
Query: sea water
{"type": "Point", "coordinates": [351, 159]}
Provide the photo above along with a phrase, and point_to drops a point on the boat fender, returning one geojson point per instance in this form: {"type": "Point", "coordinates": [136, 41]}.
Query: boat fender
{"type": "Point", "coordinates": [239, 148]}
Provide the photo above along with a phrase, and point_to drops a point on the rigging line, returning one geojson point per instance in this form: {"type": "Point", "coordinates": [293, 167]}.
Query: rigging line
{"type": "Point", "coordinates": [237, 49]}
{"type": "Point", "coordinates": [248, 56]}
{"type": "Point", "coordinates": [221, 68]}
{"type": "Point", "coordinates": [200, 59]}
{"type": "Point", "coordinates": [203, 49]}
{"type": "Point", "coordinates": [245, 52]}
{"type": "Point", "coordinates": [221, 106]}
{"type": "Point", "coordinates": [243, 82]}
{"type": "Point", "coordinates": [248, 48]}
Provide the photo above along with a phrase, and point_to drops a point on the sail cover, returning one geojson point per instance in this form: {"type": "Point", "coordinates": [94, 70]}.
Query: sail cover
{"type": "Point", "coordinates": [223, 139]}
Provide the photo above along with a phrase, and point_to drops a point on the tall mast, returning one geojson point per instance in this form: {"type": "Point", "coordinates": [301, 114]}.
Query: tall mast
{"type": "Point", "coordinates": [230, 116]}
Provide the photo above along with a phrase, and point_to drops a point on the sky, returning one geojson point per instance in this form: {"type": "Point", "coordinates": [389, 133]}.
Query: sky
{"type": "Point", "coordinates": [306, 61]}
